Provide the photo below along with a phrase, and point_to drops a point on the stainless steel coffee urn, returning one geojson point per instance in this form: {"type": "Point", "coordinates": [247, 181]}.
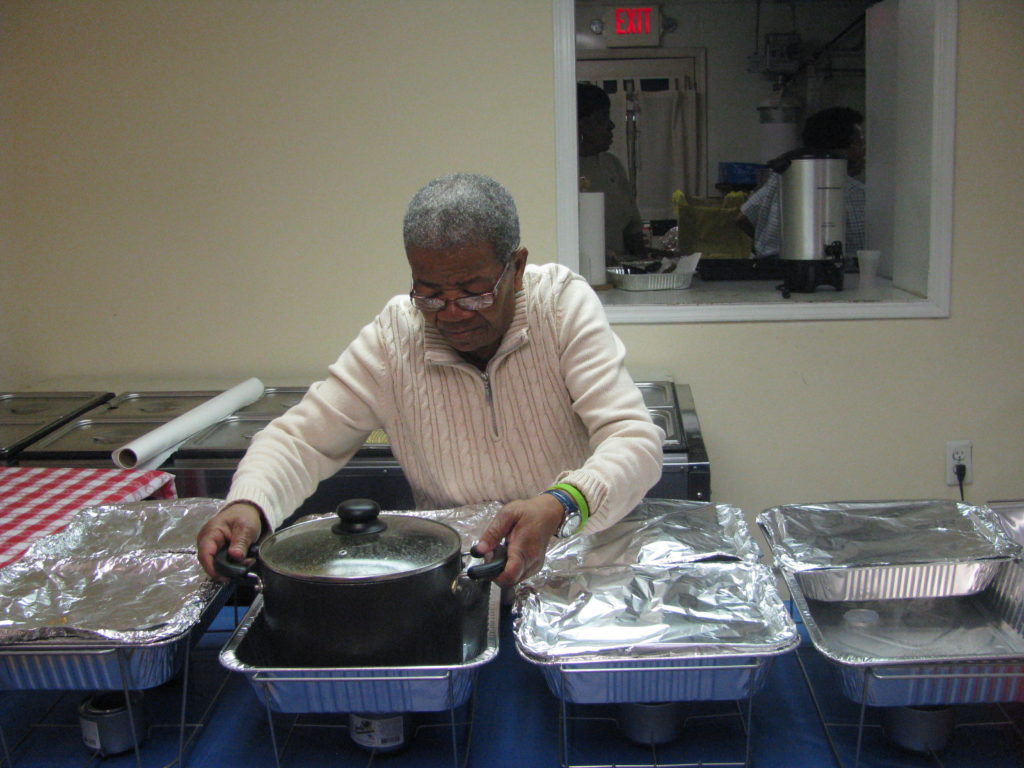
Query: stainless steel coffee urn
{"type": "Point", "coordinates": [813, 223]}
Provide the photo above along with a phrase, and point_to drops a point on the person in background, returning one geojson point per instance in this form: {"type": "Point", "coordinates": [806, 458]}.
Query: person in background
{"type": "Point", "coordinates": [837, 130]}
{"type": "Point", "coordinates": [601, 171]}
{"type": "Point", "coordinates": [494, 380]}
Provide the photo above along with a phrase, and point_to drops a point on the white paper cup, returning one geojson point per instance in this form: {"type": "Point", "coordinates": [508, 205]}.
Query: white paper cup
{"type": "Point", "coordinates": [867, 263]}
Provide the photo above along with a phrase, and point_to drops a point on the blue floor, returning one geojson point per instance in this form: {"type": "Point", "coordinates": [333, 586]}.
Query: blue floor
{"type": "Point", "coordinates": [515, 723]}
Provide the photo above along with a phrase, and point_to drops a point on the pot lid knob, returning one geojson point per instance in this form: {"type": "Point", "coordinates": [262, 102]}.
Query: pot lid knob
{"type": "Point", "coordinates": [358, 517]}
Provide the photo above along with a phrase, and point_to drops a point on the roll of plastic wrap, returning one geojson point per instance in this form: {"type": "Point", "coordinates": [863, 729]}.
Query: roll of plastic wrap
{"type": "Point", "coordinates": [151, 449]}
{"type": "Point", "coordinates": [592, 253]}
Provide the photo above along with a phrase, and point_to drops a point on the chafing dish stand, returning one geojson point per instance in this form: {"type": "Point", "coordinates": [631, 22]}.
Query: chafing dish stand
{"type": "Point", "coordinates": [574, 717]}
{"type": "Point", "coordinates": [444, 695]}
{"type": "Point", "coordinates": [929, 680]}
{"type": "Point", "coordinates": [125, 667]}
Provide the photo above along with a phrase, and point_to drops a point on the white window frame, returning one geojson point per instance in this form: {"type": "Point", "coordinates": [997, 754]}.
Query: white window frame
{"type": "Point", "coordinates": [933, 159]}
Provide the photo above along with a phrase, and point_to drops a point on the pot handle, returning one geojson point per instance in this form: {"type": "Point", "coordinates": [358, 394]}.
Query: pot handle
{"type": "Point", "coordinates": [492, 569]}
{"type": "Point", "coordinates": [229, 568]}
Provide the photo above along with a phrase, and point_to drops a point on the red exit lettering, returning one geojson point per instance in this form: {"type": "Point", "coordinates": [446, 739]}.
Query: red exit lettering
{"type": "Point", "coordinates": [632, 21]}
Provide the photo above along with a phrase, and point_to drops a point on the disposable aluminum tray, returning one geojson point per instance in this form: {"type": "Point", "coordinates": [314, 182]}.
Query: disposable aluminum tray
{"type": "Point", "coordinates": [371, 689]}
{"type": "Point", "coordinates": [739, 625]}
{"type": "Point", "coordinates": [64, 664]}
{"type": "Point", "coordinates": [848, 551]}
{"type": "Point", "coordinates": [656, 281]}
{"type": "Point", "coordinates": [919, 652]}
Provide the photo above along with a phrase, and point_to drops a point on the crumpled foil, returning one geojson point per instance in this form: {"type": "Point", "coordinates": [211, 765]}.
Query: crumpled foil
{"type": "Point", "coordinates": [120, 572]}
{"type": "Point", "coordinates": [633, 612]}
{"type": "Point", "coordinates": [130, 598]}
{"type": "Point", "coordinates": [164, 525]}
{"type": "Point", "coordinates": [659, 532]}
{"type": "Point", "coordinates": [1010, 514]}
{"type": "Point", "coordinates": [844, 534]}
{"type": "Point", "coordinates": [470, 520]}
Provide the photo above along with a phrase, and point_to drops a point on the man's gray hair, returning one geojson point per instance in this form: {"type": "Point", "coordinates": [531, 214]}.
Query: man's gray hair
{"type": "Point", "coordinates": [462, 209]}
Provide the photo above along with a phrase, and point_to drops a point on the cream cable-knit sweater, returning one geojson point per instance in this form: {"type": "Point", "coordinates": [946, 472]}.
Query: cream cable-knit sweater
{"type": "Point", "coordinates": [555, 404]}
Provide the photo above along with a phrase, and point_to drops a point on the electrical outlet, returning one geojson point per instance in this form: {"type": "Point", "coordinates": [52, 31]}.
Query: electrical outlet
{"type": "Point", "coordinates": [959, 452]}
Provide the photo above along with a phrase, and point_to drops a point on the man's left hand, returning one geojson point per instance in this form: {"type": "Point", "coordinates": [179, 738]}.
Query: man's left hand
{"type": "Point", "coordinates": [527, 525]}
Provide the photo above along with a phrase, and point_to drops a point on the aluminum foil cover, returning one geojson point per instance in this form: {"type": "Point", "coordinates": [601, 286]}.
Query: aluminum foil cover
{"type": "Point", "coordinates": [618, 613]}
{"type": "Point", "coordinates": [1011, 515]}
{"type": "Point", "coordinates": [164, 525]}
{"type": "Point", "coordinates": [844, 534]}
{"type": "Point", "coordinates": [470, 520]}
{"type": "Point", "coordinates": [120, 572]}
{"type": "Point", "coordinates": [131, 597]}
{"type": "Point", "coordinates": [660, 532]}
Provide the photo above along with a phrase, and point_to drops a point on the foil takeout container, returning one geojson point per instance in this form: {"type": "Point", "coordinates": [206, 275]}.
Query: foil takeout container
{"type": "Point", "coordinates": [846, 551]}
{"type": "Point", "coordinates": [649, 281]}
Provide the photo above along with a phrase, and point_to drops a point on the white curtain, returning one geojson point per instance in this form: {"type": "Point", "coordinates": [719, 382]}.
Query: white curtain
{"type": "Point", "coordinates": [667, 156]}
{"type": "Point", "coordinates": [668, 148]}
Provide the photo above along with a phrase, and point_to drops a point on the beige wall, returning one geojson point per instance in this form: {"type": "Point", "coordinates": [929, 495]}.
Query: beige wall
{"type": "Point", "coordinates": [215, 189]}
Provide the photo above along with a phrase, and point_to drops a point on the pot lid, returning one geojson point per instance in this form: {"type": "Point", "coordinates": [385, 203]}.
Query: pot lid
{"type": "Point", "coordinates": [360, 545]}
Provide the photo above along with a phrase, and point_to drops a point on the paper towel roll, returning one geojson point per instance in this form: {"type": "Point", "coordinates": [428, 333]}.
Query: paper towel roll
{"type": "Point", "coordinates": [592, 251]}
{"type": "Point", "coordinates": [151, 449]}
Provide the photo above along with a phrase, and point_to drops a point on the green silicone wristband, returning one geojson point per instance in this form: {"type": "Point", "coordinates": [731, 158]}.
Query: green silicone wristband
{"type": "Point", "coordinates": [578, 498]}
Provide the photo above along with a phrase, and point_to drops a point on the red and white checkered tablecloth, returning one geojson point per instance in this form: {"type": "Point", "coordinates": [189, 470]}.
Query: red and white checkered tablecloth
{"type": "Point", "coordinates": [38, 501]}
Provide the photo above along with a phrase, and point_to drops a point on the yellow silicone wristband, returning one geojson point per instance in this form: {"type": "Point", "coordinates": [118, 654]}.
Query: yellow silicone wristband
{"type": "Point", "coordinates": [578, 498]}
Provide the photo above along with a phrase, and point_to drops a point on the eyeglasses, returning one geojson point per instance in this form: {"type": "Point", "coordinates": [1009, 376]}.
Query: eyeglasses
{"type": "Point", "coordinates": [472, 303]}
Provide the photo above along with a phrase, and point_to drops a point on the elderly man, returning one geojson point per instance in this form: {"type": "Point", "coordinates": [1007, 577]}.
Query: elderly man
{"type": "Point", "coordinates": [494, 380]}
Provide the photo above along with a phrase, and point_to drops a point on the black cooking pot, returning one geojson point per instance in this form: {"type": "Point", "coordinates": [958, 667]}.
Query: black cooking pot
{"type": "Point", "coordinates": [367, 590]}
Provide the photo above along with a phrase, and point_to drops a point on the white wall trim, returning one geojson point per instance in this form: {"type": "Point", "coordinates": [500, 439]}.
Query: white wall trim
{"type": "Point", "coordinates": [726, 313]}
{"type": "Point", "coordinates": [566, 174]}
{"type": "Point", "coordinates": [940, 273]}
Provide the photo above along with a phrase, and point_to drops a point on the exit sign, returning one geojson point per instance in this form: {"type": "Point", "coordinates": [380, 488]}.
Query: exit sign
{"type": "Point", "coordinates": [632, 25]}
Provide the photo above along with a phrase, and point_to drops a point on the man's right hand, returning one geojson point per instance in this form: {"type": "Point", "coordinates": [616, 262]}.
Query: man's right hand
{"type": "Point", "coordinates": [236, 526]}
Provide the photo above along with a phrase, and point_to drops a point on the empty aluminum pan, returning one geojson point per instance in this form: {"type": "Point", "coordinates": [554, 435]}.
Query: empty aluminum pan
{"type": "Point", "coordinates": [846, 551]}
{"type": "Point", "coordinates": [693, 632]}
{"type": "Point", "coordinates": [371, 689]}
{"type": "Point", "coordinates": [898, 581]}
{"type": "Point", "coordinates": [921, 652]}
